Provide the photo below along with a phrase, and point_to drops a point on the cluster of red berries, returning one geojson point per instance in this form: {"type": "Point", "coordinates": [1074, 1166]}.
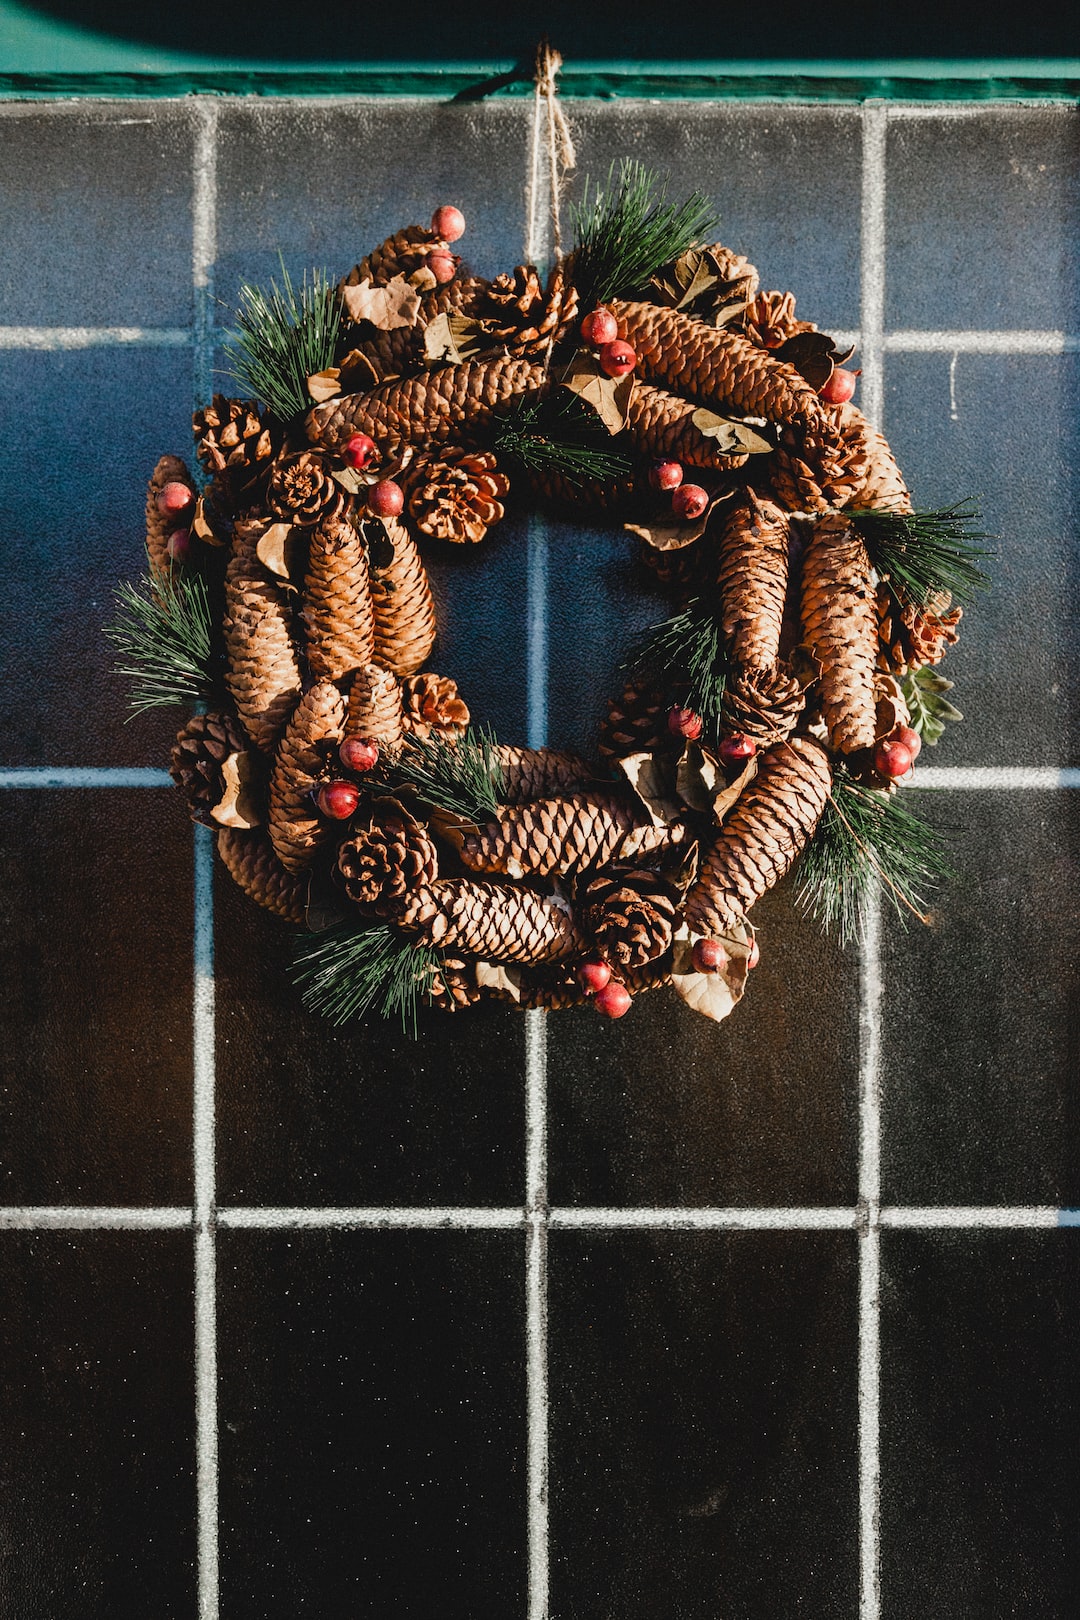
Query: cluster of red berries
{"type": "Point", "coordinates": [384, 498]}
{"type": "Point", "coordinates": [688, 501]}
{"type": "Point", "coordinates": [175, 500]}
{"type": "Point", "coordinates": [338, 799]}
{"type": "Point", "coordinates": [896, 754]}
{"type": "Point", "coordinates": [449, 224]}
{"type": "Point", "coordinates": [735, 749]}
{"type": "Point", "coordinates": [600, 331]}
{"type": "Point", "coordinates": [610, 998]}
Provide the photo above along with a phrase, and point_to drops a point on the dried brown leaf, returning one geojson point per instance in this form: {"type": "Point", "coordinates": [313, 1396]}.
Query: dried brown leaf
{"type": "Point", "coordinates": [357, 372]}
{"type": "Point", "coordinates": [324, 385]}
{"type": "Point", "coordinates": [201, 527]}
{"type": "Point", "coordinates": [396, 304]}
{"type": "Point", "coordinates": [730, 791]}
{"type": "Point", "coordinates": [608, 396]}
{"type": "Point", "coordinates": [733, 436]}
{"type": "Point", "coordinates": [649, 780]}
{"type": "Point", "coordinates": [813, 354]}
{"type": "Point", "coordinates": [503, 977]}
{"type": "Point", "coordinates": [276, 549]}
{"type": "Point", "coordinates": [237, 806]}
{"type": "Point", "coordinates": [667, 536]}
{"type": "Point", "coordinates": [454, 338]}
{"type": "Point", "coordinates": [714, 995]}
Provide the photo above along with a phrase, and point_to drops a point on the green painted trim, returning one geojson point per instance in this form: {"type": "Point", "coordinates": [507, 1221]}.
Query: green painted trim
{"type": "Point", "coordinates": [807, 82]}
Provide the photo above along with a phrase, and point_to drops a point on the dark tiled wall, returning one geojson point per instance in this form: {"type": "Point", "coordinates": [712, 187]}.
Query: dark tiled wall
{"type": "Point", "coordinates": [713, 1443]}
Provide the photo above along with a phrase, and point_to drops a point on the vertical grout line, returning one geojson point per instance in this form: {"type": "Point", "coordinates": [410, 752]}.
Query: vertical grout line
{"type": "Point", "coordinates": [203, 255]}
{"type": "Point", "coordinates": [538, 249]}
{"type": "Point", "coordinates": [536, 1310]}
{"type": "Point", "coordinates": [871, 324]}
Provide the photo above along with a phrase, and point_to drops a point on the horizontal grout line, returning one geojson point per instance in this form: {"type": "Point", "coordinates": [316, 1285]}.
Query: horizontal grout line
{"type": "Point", "coordinates": [997, 777]}
{"type": "Point", "coordinates": [974, 342]}
{"type": "Point", "coordinates": [93, 337]}
{"type": "Point", "coordinates": [83, 776]}
{"type": "Point", "coordinates": [991, 1215]}
{"type": "Point", "coordinates": [478, 1219]}
{"type": "Point", "coordinates": [61, 1217]}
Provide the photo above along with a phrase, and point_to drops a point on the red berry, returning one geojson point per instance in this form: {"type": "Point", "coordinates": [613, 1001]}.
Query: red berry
{"type": "Point", "coordinates": [442, 264]}
{"type": "Point", "coordinates": [178, 545]}
{"type": "Point", "coordinates": [665, 474]}
{"type": "Point", "coordinates": [840, 386]}
{"type": "Point", "coordinates": [733, 750]}
{"type": "Point", "coordinates": [910, 739]}
{"type": "Point", "coordinates": [613, 1000]}
{"type": "Point", "coordinates": [684, 723]}
{"type": "Point", "coordinates": [386, 499]}
{"type": "Point", "coordinates": [599, 327]}
{"type": "Point", "coordinates": [755, 955]}
{"type": "Point", "coordinates": [448, 222]}
{"type": "Point", "coordinates": [892, 758]}
{"type": "Point", "coordinates": [338, 800]}
{"type": "Point", "coordinates": [360, 452]}
{"type": "Point", "coordinates": [689, 501]}
{"type": "Point", "coordinates": [174, 498]}
{"type": "Point", "coordinates": [709, 955]}
{"type": "Point", "coordinates": [358, 754]}
{"type": "Point", "coordinates": [617, 359]}
{"type": "Point", "coordinates": [594, 975]}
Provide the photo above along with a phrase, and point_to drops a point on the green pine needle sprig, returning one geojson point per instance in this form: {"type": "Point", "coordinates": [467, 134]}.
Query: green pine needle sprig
{"type": "Point", "coordinates": [686, 650]}
{"type": "Point", "coordinates": [555, 434]}
{"type": "Point", "coordinates": [921, 553]}
{"type": "Point", "coordinates": [283, 337]}
{"type": "Point", "coordinates": [867, 843]}
{"type": "Point", "coordinates": [626, 230]}
{"type": "Point", "coordinates": [348, 971]}
{"type": "Point", "coordinates": [462, 776]}
{"type": "Point", "coordinates": [163, 632]}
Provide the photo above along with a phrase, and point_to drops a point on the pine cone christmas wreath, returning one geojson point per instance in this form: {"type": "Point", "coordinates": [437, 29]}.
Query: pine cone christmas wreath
{"type": "Point", "coordinates": [765, 724]}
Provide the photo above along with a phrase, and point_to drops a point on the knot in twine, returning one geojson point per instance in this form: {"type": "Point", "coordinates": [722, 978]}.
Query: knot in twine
{"type": "Point", "coordinates": [551, 131]}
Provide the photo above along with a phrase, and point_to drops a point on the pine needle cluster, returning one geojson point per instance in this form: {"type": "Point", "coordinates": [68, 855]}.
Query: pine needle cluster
{"type": "Point", "coordinates": [548, 436]}
{"type": "Point", "coordinates": [163, 632]}
{"type": "Point", "coordinates": [348, 971]}
{"type": "Point", "coordinates": [461, 776]}
{"type": "Point", "coordinates": [922, 553]}
{"type": "Point", "coordinates": [627, 230]}
{"type": "Point", "coordinates": [686, 651]}
{"type": "Point", "coordinates": [867, 843]}
{"type": "Point", "coordinates": [282, 338]}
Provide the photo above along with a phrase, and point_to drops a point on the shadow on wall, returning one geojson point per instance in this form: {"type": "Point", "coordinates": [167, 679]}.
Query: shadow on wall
{"type": "Point", "coordinates": [472, 30]}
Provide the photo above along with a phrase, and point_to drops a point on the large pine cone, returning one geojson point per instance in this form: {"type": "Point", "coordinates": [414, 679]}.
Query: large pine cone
{"type": "Point", "coordinates": [524, 314]}
{"type": "Point", "coordinates": [399, 255]}
{"type": "Point", "coordinates": [631, 916]}
{"type": "Point", "coordinates": [840, 626]}
{"type": "Point", "coordinates": [459, 496]}
{"type": "Point", "coordinates": [252, 864]}
{"type": "Point", "coordinates": [433, 707]}
{"type": "Point", "coordinates": [302, 491]}
{"type": "Point", "coordinates": [263, 675]}
{"type": "Point", "coordinates": [234, 444]}
{"type": "Point", "coordinates": [496, 921]}
{"type": "Point", "coordinates": [375, 706]}
{"type": "Point", "coordinates": [636, 722]}
{"type": "Point", "coordinates": [202, 746]}
{"type": "Point", "coordinates": [564, 835]}
{"type": "Point", "coordinates": [385, 862]}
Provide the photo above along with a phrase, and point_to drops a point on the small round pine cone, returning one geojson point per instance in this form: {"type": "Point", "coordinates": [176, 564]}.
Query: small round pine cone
{"type": "Point", "coordinates": [302, 492]}
{"type": "Point", "coordinates": [631, 916]}
{"type": "Point", "coordinates": [911, 637]}
{"type": "Point", "coordinates": [763, 704]}
{"type": "Point", "coordinates": [524, 314]}
{"type": "Point", "coordinates": [384, 863]}
{"type": "Point", "coordinates": [433, 707]}
{"type": "Point", "coordinates": [770, 320]}
{"type": "Point", "coordinates": [233, 443]}
{"type": "Point", "coordinates": [459, 496]}
{"type": "Point", "coordinates": [202, 746]}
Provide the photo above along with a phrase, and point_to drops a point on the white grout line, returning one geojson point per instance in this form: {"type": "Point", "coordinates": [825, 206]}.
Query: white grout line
{"type": "Point", "coordinates": [871, 323]}
{"type": "Point", "coordinates": [704, 1219]}
{"type": "Point", "coordinates": [369, 1218]}
{"type": "Point", "coordinates": [973, 342]}
{"type": "Point", "coordinates": [372, 1218]}
{"type": "Point", "coordinates": [536, 634]}
{"type": "Point", "coordinates": [536, 1313]}
{"type": "Point", "coordinates": [1003, 778]}
{"type": "Point", "coordinates": [52, 338]}
{"type": "Point", "coordinates": [203, 256]}
{"type": "Point", "coordinates": [78, 776]}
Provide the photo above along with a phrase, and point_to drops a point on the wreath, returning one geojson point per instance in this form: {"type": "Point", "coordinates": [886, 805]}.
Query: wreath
{"type": "Point", "coordinates": [766, 723]}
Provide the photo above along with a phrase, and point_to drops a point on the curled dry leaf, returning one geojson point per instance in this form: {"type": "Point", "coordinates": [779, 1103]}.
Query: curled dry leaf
{"type": "Point", "coordinates": [503, 977]}
{"type": "Point", "coordinates": [357, 372]}
{"type": "Point", "coordinates": [276, 550]}
{"type": "Point", "coordinates": [454, 338]}
{"type": "Point", "coordinates": [729, 792]}
{"type": "Point", "coordinates": [396, 304]}
{"type": "Point", "coordinates": [202, 528]}
{"type": "Point", "coordinates": [237, 806]}
{"type": "Point", "coordinates": [649, 780]}
{"type": "Point", "coordinates": [608, 396]}
{"type": "Point", "coordinates": [813, 354]}
{"type": "Point", "coordinates": [714, 995]}
{"type": "Point", "coordinates": [733, 435]}
{"type": "Point", "coordinates": [891, 710]}
{"type": "Point", "coordinates": [324, 385]}
{"type": "Point", "coordinates": [668, 536]}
